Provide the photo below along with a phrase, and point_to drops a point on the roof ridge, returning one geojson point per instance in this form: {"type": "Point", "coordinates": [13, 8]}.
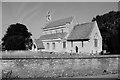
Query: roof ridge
{"type": "Point", "coordinates": [60, 19]}
{"type": "Point", "coordinates": [59, 22]}
{"type": "Point", "coordinates": [86, 23]}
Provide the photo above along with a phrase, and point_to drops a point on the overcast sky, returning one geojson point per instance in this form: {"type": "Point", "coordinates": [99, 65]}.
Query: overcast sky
{"type": "Point", "coordinates": [32, 14]}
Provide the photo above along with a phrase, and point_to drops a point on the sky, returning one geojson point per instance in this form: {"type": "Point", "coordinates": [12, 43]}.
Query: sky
{"type": "Point", "coordinates": [33, 14]}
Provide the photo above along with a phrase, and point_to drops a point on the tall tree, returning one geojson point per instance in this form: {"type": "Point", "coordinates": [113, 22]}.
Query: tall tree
{"type": "Point", "coordinates": [109, 25]}
{"type": "Point", "coordinates": [17, 37]}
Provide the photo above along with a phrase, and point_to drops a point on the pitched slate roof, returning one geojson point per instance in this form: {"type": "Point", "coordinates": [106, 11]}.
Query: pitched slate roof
{"type": "Point", "coordinates": [81, 31]}
{"type": "Point", "coordinates": [53, 36]}
{"type": "Point", "coordinates": [39, 44]}
{"type": "Point", "coordinates": [59, 22]}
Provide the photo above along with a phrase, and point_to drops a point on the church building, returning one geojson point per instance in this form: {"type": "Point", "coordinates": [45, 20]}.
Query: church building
{"type": "Point", "coordinates": [65, 35]}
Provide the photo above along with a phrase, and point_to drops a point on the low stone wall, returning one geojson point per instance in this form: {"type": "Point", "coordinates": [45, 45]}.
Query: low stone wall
{"type": "Point", "coordinates": [35, 68]}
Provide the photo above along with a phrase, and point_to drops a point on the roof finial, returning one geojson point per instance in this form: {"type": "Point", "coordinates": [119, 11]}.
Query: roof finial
{"type": "Point", "coordinates": [48, 16]}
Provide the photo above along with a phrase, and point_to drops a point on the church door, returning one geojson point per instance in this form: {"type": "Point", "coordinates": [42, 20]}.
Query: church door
{"type": "Point", "coordinates": [76, 49]}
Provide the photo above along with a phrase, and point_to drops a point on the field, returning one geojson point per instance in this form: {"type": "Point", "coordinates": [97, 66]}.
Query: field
{"type": "Point", "coordinates": [37, 65]}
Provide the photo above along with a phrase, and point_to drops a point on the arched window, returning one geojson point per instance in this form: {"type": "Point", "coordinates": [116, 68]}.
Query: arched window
{"type": "Point", "coordinates": [64, 44]}
{"type": "Point", "coordinates": [62, 30]}
{"type": "Point", "coordinates": [96, 42]}
{"type": "Point", "coordinates": [56, 31]}
{"type": "Point", "coordinates": [53, 45]}
{"type": "Point", "coordinates": [47, 45]}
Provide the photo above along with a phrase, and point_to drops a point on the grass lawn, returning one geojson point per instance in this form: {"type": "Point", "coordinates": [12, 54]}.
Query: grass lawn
{"type": "Point", "coordinates": [30, 54]}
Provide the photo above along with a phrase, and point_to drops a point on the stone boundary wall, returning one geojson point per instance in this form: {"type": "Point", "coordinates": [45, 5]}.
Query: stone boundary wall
{"type": "Point", "coordinates": [62, 67]}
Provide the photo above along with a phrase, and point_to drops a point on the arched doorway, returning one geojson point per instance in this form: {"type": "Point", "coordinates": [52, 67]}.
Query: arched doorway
{"type": "Point", "coordinates": [76, 49]}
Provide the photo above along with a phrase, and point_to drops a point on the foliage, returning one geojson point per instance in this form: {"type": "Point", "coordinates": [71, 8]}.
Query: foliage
{"type": "Point", "coordinates": [110, 30]}
{"type": "Point", "coordinates": [8, 75]}
{"type": "Point", "coordinates": [17, 37]}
